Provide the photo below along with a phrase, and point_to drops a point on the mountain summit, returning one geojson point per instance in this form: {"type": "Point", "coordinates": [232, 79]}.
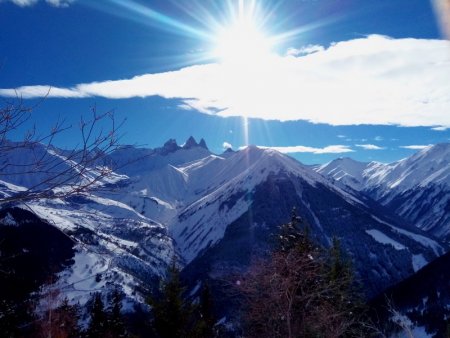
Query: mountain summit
{"type": "Point", "coordinates": [192, 143]}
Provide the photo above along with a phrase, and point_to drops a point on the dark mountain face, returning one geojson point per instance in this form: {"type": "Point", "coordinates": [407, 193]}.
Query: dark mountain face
{"type": "Point", "coordinates": [32, 251]}
{"type": "Point", "coordinates": [423, 298]}
{"type": "Point", "coordinates": [327, 215]}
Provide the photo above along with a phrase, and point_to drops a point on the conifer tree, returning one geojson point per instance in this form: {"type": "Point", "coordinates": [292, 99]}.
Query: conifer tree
{"type": "Point", "coordinates": [116, 324]}
{"type": "Point", "coordinates": [205, 319]}
{"type": "Point", "coordinates": [66, 320]}
{"type": "Point", "coordinates": [170, 312]}
{"type": "Point", "coordinates": [98, 323]}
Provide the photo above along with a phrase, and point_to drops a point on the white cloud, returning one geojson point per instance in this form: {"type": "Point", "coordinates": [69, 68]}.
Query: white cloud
{"type": "Point", "coordinates": [372, 80]}
{"type": "Point", "coordinates": [369, 146]}
{"type": "Point", "coordinates": [54, 3]}
{"type": "Point", "coordinates": [416, 147]}
{"type": "Point", "coordinates": [341, 136]}
{"type": "Point", "coordinates": [440, 128]}
{"type": "Point", "coordinates": [227, 145]}
{"type": "Point", "coordinates": [333, 149]}
{"type": "Point", "coordinates": [378, 138]}
{"type": "Point", "coordinates": [23, 3]}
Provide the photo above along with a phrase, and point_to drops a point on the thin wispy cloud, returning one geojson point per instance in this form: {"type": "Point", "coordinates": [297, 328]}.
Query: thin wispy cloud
{"type": "Point", "coordinates": [416, 147]}
{"type": "Point", "coordinates": [440, 128]}
{"type": "Point", "coordinates": [60, 3]}
{"type": "Point", "coordinates": [369, 146]}
{"type": "Point", "coordinates": [28, 3]}
{"type": "Point", "coordinates": [309, 49]}
{"type": "Point", "coordinates": [22, 3]}
{"type": "Point", "coordinates": [372, 80]}
{"type": "Point", "coordinates": [333, 149]}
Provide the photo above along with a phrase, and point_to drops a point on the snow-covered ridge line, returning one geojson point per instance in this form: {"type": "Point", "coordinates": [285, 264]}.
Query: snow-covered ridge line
{"type": "Point", "coordinates": [416, 188]}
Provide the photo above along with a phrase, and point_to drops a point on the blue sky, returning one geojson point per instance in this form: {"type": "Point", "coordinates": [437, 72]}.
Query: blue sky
{"type": "Point", "coordinates": [318, 79]}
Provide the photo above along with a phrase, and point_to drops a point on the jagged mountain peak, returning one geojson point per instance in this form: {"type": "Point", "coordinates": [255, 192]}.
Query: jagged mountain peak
{"type": "Point", "coordinates": [169, 147]}
{"type": "Point", "coordinates": [202, 144]}
{"type": "Point", "coordinates": [190, 143]}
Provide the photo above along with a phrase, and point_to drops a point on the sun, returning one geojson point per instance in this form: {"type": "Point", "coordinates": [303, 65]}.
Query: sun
{"type": "Point", "coordinates": [242, 40]}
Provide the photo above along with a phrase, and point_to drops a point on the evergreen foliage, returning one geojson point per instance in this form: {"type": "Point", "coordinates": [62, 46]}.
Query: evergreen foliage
{"type": "Point", "coordinates": [98, 324]}
{"type": "Point", "coordinates": [175, 316]}
{"type": "Point", "coordinates": [115, 322]}
{"type": "Point", "coordinates": [204, 325]}
{"type": "Point", "coordinates": [170, 312]}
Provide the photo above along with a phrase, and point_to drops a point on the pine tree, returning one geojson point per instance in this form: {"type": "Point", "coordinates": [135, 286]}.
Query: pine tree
{"type": "Point", "coordinates": [66, 320]}
{"type": "Point", "coordinates": [98, 323]}
{"type": "Point", "coordinates": [171, 313]}
{"type": "Point", "coordinates": [116, 324]}
{"type": "Point", "coordinates": [205, 320]}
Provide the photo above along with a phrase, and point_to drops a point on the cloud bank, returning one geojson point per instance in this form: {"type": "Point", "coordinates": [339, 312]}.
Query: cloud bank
{"type": "Point", "coordinates": [333, 149]}
{"type": "Point", "coordinates": [372, 80]}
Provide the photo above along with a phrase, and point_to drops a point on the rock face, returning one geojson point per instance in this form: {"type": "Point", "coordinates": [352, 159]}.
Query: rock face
{"type": "Point", "coordinates": [32, 252]}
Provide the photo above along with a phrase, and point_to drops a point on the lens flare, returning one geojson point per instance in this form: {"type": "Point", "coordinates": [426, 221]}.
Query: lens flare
{"type": "Point", "coordinates": [242, 39]}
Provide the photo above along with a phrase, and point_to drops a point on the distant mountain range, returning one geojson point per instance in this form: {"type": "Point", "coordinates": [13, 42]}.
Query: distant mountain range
{"type": "Point", "coordinates": [416, 188]}
{"type": "Point", "coordinates": [215, 212]}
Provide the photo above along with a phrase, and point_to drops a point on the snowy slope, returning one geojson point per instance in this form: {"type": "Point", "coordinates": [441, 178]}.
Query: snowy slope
{"type": "Point", "coordinates": [254, 190]}
{"type": "Point", "coordinates": [185, 201]}
{"type": "Point", "coordinates": [345, 170]}
{"type": "Point", "coordinates": [203, 223]}
{"type": "Point", "coordinates": [417, 188]}
{"type": "Point", "coordinates": [114, 243]}
{"type": "Point", "coordinates": [37, 167]}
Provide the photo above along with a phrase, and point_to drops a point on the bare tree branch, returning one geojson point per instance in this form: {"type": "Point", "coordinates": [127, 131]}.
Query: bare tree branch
{"type": "Point", "coordinates": [48, 171]}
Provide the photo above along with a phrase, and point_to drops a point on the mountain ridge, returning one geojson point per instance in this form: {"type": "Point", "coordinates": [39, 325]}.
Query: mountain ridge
{"type": "Point", "coordinates": [417, 188]}
{"type": "Point", "coordinates": [188, 203]}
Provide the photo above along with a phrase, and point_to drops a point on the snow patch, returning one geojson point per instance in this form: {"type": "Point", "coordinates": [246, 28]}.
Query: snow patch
{"type": "Point", "coordinates": [425, 241]}
{"type": "Point", "coordinates": [384, 239]}
{"type": "Point", "coordinates": [418, 262]}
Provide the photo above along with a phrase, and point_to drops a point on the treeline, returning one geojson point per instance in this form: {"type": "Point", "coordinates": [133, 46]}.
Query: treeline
{"type": "Point", "coordinates": [301, 290]}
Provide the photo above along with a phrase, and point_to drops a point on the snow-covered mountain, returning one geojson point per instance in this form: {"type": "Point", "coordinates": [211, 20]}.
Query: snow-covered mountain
{"type": "Point", "coordinates": [214, 212]}
{"type": "Point", "coordinates": [416, 188]}
{"type": "Point", "coordinates": [202, 198]}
